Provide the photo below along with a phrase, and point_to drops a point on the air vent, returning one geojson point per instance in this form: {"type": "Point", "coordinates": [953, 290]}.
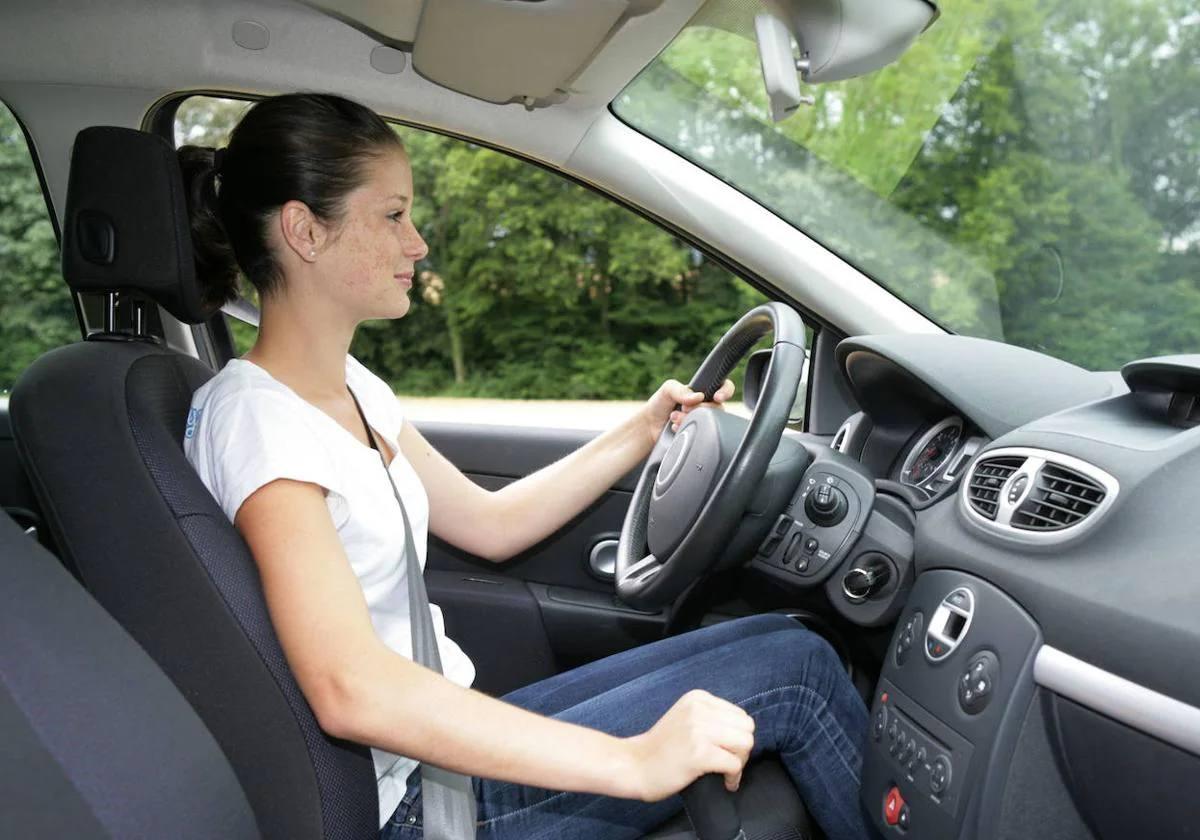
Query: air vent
{"type": "Point", "coordinates": [1060, 498]}
{"type": "Point", "coordinates": [839, 440]}
{"type": "Point", "coordinates": [986, 481]}
{"type": "Point", "coordinates": [1035, 496]}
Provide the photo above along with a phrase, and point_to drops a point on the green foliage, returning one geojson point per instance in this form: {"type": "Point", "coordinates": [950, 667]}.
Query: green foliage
{"type": "Point", "coordinates": [36, 312]}
{"type": "Point", "coordinates": [537, 288]}
{"type": "Point", "coordinates": [1027, 172]}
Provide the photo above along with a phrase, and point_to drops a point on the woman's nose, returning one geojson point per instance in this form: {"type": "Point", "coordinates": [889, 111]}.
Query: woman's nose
{"type": "Point", "coordinates": [414, 246]}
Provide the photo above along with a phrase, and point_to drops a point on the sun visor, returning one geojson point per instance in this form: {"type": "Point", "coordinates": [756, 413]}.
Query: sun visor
{"type": "Point", "coordinates": [526, 51]}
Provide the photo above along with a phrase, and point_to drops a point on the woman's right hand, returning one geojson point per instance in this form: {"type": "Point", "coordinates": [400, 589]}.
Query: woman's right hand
{"type": "Point", "coordinates": [700, 734]}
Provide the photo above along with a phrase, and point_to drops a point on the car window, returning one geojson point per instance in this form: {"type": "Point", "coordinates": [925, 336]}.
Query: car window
{"type": "Point", "coordinates": [535, 289]}
{"type": "Point", "coordinates": [1028, 172]}
{"type": "Point", "coordinates": [36, 309]}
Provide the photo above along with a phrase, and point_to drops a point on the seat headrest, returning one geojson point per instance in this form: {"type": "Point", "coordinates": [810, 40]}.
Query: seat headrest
{"type": "Point", "coordinates": [127, 222]}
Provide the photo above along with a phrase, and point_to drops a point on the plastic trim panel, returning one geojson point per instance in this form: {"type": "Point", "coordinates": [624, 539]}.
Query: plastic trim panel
{"type": "Point", "coordinates": [1141, 708]}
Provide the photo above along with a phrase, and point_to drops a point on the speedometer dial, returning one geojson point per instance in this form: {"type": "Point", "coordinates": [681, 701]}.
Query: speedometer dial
{"type": "Point", "coordinates": [931, 452]}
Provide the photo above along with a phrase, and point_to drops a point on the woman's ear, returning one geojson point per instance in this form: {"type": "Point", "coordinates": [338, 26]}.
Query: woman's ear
{"type": "Point", "coordinates": [302, 231]}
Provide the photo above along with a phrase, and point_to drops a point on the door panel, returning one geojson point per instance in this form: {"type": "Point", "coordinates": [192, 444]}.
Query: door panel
{"type": "Point", "coordinates": [542, 611]}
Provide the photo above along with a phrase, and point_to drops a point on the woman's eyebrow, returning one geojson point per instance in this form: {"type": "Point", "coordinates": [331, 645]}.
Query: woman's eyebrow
{"type": "Point", "coordinates": [397, 196]}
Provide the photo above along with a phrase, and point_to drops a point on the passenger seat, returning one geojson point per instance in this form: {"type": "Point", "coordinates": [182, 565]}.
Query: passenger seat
{"type": "Point", "coordinates": [95, 742]}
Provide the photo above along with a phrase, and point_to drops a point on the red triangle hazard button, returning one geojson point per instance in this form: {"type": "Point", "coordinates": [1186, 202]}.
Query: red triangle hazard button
{"type": "Point", "coordinates": [892, 806]}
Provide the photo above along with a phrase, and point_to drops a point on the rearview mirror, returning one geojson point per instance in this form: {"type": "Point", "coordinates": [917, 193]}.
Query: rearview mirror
{"type": "Point", "coordinates": [837, 39]}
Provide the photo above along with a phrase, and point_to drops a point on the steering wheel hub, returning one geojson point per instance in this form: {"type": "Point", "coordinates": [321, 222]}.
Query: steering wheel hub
{"type": "Point", "coordinates": [684, 480]}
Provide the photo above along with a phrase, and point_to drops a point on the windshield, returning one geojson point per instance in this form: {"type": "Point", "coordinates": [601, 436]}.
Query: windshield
{"type": "Point", "coordinates": [1027, 172]}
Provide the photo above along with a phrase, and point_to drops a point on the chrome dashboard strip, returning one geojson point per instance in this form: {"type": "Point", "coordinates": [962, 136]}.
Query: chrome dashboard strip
{"type": "Point", "coordinates": [1144, 709]}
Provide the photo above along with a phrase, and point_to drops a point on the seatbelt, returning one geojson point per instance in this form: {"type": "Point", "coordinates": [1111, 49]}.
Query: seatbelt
{"type": "Point", "coordinates": [448, 799]}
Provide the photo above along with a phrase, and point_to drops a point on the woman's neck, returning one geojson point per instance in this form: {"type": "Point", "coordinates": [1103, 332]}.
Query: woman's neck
{"type": "Point", "coordinates": [303, 350]}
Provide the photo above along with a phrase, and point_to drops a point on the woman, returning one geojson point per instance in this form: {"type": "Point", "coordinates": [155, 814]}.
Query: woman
{"type": "Point", "coordinates": [312, 200]}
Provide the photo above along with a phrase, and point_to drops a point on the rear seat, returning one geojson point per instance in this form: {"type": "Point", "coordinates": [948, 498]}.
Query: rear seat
{"type": "Point", "coordinates": [94, 740]}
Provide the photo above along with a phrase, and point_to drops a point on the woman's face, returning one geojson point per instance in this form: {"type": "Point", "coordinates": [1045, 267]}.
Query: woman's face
{"type": "Point", "coordinates": [370, 255]}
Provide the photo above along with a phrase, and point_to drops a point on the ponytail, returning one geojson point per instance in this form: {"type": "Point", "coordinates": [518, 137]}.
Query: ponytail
{"type": "Point", "coordinates": [216, 267]}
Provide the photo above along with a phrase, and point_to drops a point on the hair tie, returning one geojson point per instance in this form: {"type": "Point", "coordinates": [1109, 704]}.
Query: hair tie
{"type": "Point", "coordinates": [218, 160]}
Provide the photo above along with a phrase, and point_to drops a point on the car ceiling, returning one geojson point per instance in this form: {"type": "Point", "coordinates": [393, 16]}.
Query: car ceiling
{"type": "Point", "coordinates": [188, 46]}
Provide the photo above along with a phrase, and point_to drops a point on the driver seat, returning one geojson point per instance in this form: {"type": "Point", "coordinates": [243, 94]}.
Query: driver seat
{"type": "Point", "coordinates": [99, 427]}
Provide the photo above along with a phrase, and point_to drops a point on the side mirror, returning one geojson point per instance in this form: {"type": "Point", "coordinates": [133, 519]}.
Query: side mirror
{"type": "Point", "coordinates": [756, 374]}
{"type": "Point", "coordinates": [838, 39]}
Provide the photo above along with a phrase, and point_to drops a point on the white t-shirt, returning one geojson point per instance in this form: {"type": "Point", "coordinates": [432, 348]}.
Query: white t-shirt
{"type": "Point", "coordinates": [247, 429]}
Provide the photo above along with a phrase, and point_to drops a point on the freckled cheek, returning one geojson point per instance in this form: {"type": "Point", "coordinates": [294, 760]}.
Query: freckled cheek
{"type": "Point", "coordinates": [366, 262]}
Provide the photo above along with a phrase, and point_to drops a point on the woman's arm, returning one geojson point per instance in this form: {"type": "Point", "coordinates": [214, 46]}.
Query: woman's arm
{"type": "Point", "coordinates": [498, 525]}
{"type": "Point", "coordinates": [362, 691]}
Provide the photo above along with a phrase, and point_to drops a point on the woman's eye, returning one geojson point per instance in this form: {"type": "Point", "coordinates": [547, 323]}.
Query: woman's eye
{"type": "Point", "coordinates": [397, 216]}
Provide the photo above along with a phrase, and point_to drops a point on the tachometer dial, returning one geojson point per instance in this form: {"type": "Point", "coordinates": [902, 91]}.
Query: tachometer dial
{"type": "Point", "coordinates": [931, 452]}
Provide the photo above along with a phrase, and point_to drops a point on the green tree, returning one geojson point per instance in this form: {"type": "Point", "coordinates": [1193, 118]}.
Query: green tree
{"type": "Point", "coordinates": [36, 312]}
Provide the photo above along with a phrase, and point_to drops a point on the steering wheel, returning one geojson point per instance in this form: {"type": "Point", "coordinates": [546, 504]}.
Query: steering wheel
{"type": "Point", "coordinates": [697, 482]}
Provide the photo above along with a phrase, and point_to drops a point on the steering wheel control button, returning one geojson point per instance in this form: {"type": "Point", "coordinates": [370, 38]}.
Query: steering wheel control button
{"type": "Point", "coordinates": [977, 681]}
{"type": "Point", "coordinates": [949, 624]}
{"type": "Point", "coordinates": [893, 804]}
{"type": "Point", "coordinates": [939, 775]}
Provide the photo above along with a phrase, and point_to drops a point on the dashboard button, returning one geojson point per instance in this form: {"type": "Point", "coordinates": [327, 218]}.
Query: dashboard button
{"type": "Point", "coordinates": [939, 776]}
{"type": "Point", "coordinates": [880, 723]}
{"type": "Point", "coordinates": [770, 544]}
{"type": "Point", "coordinates": [893, 804]}
{"type": "Point", "coordinates": [976, 683]}
{"type": "Point", "coordinates": [904, 819]}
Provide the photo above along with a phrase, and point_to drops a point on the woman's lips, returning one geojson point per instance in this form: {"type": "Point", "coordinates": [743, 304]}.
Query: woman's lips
{"type": "Point", "coordinates": [405, 278]}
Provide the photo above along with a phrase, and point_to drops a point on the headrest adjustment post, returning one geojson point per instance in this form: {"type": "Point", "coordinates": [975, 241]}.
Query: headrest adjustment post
{"type": "Point", "coordinates": [110, 312]}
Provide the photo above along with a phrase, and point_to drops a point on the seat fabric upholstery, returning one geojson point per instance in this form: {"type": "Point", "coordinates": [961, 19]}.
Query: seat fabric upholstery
{"type": "Point", "coordinates": [99, 426]}
{"type": "Point", "coordinates": [96, 742]}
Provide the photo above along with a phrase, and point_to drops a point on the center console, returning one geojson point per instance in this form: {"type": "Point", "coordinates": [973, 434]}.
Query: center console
{"type": "Point", "coordinates": [945, 714]}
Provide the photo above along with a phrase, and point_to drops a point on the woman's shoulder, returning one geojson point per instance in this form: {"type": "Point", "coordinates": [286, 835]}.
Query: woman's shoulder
{"type": "Point", "coordinates": [239, 380]}
{"type": "Point", "coordinates": [243, 402]}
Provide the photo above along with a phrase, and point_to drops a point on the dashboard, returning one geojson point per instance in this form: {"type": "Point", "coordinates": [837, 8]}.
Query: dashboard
{"type": "Point", "coordinates": [1027, 530]}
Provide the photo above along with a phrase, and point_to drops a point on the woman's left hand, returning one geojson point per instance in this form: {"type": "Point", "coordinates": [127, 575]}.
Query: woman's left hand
{"type": "Point", "coordinates": [662, 406]}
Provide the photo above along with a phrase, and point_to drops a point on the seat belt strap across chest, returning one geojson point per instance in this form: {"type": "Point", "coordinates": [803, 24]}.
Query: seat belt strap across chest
{"type": "Point", "coordinates": [448, 798]}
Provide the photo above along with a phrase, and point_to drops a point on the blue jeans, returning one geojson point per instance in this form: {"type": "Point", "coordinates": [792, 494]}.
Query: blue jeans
{"type": "Point", "coordinates": [787, 678]}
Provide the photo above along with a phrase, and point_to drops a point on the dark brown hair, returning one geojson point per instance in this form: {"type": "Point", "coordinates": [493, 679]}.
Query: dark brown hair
{"type": "Point", "coordinates": [308, 147]}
